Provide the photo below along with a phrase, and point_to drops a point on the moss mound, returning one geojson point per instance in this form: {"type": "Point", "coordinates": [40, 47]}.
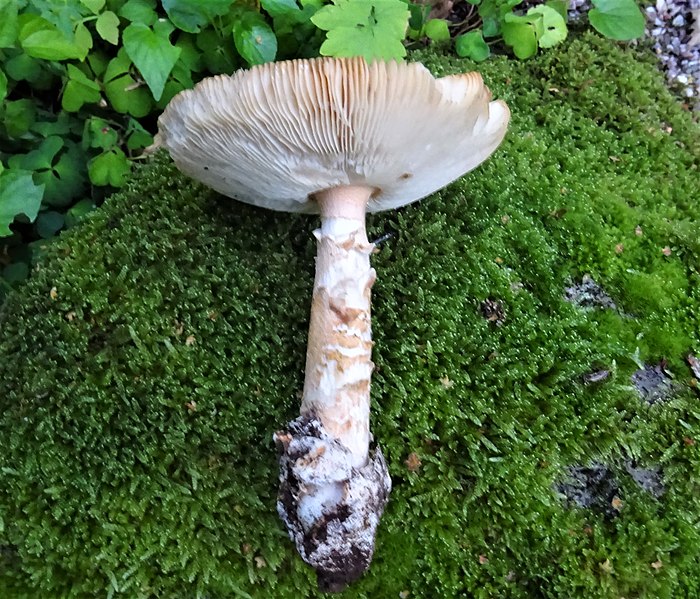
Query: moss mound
{"type": "Point", "coordinates": [147, 363]}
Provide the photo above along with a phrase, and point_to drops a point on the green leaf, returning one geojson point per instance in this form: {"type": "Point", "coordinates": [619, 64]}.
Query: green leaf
{"type": "Point", "coordinates": [280, 8]}
{"type": "Point", "coordinates": [437, 30]}
{"type": "Point", "coordinates": [554, 30]}
{"type": "Point", "coordinates": [64, 125]}
{"type": "Point", "coordinates": [79, 90]}
{"type": "Point", "coordinates": [9, 27]}
{"type": "Point", "coordinates": [49, 223]}
{"type": "Point", "coordinates": [14, 273]}
{"type": "Point", "coordinates": [520, 36]}
{"type": "Point", "coordinates": [76, 213]}
{"type": "Point", "coordinates": [561, 6]}
{"type": "Point", "coordinates": [3, 86]}
{"type": "Point", "coordinates": [18, 195]}
{"type": "Point", "coordinates": [40, 158]}
{"type": "Point", "coordinates": [109, 168]}
{"type": "Point", "coordinates": [123, 92]}
{"type": "Point", "coordinates": [217, 54]}
{"type": "Point", "coordinates": [180, 79]}
{"type": "Point", "coordinates": [369, 28]}
{"type": "Point", "coordinates": [617, 19]}
{"type": "Point", "coordinates": [190, 57]}
{"type": "Point", "coordinates": [137, 136]}
{"type": "Point", "coordinates": [98, 62]}
{"type": "Point", "coordinates": [192, 15]}
{"type": "Point", "coordinates": [472, 45]}
{"type": "Point", "coordinates": [58, 166]}
{"type": "Point", "coordinates": [139, 11]}
{"type": "Point", "coordinates": [418, 15]}
{"type": "Point", "coordinates": [19, 117]}
{"type": "Point", "coordinates": [491, 27]}
{"type": "Point", "coordinates": [41, 39]}
{"type": "Point", "coordinates": [24, 68]}
{"type": "Point", "coordinates": [152, 53]}
{"type": "Point", "coordinates": [107, 26]}
{"type": "Point", "coordinates": [254, 39]}
{"type": "Point", "coordinates": [98, 133]}
{"type": "Point", "coordinates": [83, 39]}
{"type": "Point", "coordinates": [94, 5]}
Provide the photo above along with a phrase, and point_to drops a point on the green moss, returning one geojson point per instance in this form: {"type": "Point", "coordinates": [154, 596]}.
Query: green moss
{"type": "Point", "coordinates": [138, 403]}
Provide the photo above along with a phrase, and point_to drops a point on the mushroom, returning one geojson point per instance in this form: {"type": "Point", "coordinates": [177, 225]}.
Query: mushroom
{"type": "Point", "coordinates": [339, 137]}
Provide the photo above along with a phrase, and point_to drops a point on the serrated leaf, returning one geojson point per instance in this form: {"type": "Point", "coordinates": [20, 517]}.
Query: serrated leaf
{"type": "Point", "coordinates": [139, 11]}
{"type": "Point", "coordinates": [368, 28]}
{"type": "Point", "coordinates": [192, 15]}
{"type": "Point", "coordinates": [617, 19]}
{"type": "Point", "coordinates": [152, 53]}
{"type": "Point", "coordinates": [79, 90]}
{"type": "Point", "coordinates": [49, 223]}
{"type": "Point", "coordinates": [472, 45]}
{"type": "Point", "coordinates": [437, 30]}
{"type": "Point", "coordinates": [254, 39]}
{"type": "Point", "coordinates": [521, 37]}
{"type": "Point", "coordinates": [9, 27]}
{"type": "Point", "coordinates": [109, 168]}
{"type": "Point", "coordinates": [18, 195]}
{"type": "Point", "coordinates": [553, 30]}
{"type": "Point", "coordinates": [107, 26]}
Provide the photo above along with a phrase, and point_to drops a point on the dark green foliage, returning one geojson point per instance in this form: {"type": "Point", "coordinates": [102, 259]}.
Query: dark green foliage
{"type": "Point", "coordinates": [148, 362]}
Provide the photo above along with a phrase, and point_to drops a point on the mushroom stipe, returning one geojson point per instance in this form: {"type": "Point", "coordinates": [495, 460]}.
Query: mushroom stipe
{"type": "Point", "coordinates": [339, 137]}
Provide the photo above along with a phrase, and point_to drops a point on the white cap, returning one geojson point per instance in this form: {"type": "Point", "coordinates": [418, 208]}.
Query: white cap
{"type": "Point", "coordinates": [278, 133]}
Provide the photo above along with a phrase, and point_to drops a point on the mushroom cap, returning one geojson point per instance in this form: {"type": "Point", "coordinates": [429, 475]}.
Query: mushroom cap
{"type": "Point", "coordinates": [278, 133]}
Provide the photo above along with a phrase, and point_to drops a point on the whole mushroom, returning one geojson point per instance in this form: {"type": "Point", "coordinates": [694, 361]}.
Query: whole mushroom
{"type": "Point", "coordinates": [340, 137]}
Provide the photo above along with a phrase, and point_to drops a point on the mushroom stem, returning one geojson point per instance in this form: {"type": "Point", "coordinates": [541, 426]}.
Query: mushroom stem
{"type": "Point", "coordinates": [339, 353]}
{"type": "Point", "coordinates": [332, 489]}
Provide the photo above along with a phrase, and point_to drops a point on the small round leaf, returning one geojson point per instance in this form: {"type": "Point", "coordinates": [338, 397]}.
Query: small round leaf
{"type": "Point", "coordinates": [437, 30]}
{"type": "Point", "coordinates": [617, 19]}
{"type": "Point", "coordinates": [472, 45]}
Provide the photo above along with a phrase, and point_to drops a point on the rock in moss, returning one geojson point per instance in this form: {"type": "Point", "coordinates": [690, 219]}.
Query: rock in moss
{"type": "Point", "coordinates": [147, 363]}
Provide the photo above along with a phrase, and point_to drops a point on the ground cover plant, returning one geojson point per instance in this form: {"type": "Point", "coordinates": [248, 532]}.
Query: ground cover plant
{"type": "Point", "coordinates": [82, 81]}
{"type": "Point", "coordinates": [528, 320]}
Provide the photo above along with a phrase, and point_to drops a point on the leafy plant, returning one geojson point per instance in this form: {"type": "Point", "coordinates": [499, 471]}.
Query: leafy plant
{"type": "Point", "coordinates": [369, 28]}
{"type": "Point", "coordinates": [617, 19]}
{"type": "Point", "coordinates": [542, 26]}
{"type": "Point", "coordinates": [83, 81]}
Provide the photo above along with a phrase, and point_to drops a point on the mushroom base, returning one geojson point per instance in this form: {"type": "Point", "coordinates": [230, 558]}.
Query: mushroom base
{"type": "Point", "coordinates": [330, 508]}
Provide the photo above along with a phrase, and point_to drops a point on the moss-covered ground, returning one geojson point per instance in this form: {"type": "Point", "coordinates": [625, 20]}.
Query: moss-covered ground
{"type": "Point", "coordinates": [147, 363]}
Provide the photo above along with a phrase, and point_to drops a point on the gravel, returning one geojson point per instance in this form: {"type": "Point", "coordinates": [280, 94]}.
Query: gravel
{"type": "Point", "coordinates": [674, 26]}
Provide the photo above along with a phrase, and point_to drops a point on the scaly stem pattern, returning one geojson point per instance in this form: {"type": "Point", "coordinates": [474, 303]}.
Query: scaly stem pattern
{"type": "Point", "coordinates": [332, 490]}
